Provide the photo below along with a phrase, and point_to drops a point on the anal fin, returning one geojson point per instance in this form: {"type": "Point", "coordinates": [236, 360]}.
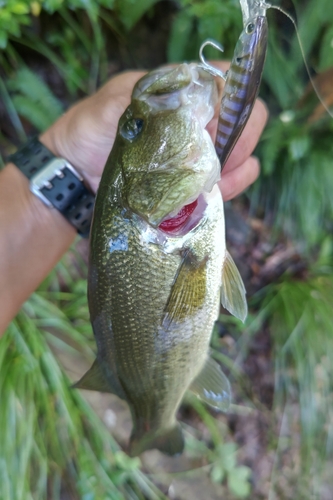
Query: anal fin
{"type": "Point", "coordinates": [233, 293]}
{"type": "Point", "coordinates": [168, 441]}
{"type": "Point", "coordinates": [212, 386]}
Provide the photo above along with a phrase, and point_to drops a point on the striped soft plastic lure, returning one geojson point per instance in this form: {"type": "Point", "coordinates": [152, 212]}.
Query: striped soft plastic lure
{"type": "Point", "coordinates": [243, 78]}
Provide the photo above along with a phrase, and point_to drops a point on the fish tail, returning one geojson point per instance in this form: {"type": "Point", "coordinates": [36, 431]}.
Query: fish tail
{"type": "Point", "coordinates": [169, 441]}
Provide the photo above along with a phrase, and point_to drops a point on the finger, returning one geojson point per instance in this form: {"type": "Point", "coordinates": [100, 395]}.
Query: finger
{"type": "Point", "coordinates": [235, 181]}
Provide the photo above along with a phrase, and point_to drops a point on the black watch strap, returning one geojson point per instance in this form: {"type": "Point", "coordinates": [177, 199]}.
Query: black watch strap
{"type": "Point", "coordinates": [56, 183]}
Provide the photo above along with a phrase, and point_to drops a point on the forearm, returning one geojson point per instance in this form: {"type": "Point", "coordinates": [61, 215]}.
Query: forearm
{"type": "Point", "coordinates": [33, 238]}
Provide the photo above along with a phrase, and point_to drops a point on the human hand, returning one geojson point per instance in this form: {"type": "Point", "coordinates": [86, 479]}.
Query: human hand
{"type": "Point", "coordinates": [85, 134]}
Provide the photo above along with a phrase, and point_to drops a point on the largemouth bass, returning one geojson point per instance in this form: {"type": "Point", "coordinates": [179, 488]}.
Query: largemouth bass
{"type": "Point", "coordinates": [158, 260]}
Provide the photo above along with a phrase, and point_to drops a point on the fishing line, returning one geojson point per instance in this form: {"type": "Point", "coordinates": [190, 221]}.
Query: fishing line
{"type": "Point", "coordinates": [270, 6]}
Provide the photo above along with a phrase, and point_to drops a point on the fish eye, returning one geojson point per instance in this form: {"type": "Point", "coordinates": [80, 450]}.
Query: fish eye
{"type": "Point", "coordinates": [249, 28]}
{"type": "Point", "coordinates": [132, 128]}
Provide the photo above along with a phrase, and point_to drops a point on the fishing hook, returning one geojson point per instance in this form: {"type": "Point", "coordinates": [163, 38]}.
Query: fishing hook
{"type": "Point", "coordinates": [205, 65]}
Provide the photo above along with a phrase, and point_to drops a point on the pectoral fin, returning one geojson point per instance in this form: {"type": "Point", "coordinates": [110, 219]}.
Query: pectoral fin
{"type": "Point", "coordinates": [212, 386]}
{"type": "Point", "coordinates": [233, 291]}
{"type": "Point", "coordinates": [188, 290]}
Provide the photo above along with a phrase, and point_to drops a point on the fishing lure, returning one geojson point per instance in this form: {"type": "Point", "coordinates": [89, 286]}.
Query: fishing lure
{"type": "Point", "coordinates": [242, 81]}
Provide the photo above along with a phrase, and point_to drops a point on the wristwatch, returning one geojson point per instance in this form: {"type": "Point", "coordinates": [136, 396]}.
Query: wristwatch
{"type": "Point", "coordinates": [56, 182]}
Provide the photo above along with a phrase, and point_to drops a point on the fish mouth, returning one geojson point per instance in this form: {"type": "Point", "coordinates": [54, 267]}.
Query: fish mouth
{"type": "Point", "coordinates": [186, 219]}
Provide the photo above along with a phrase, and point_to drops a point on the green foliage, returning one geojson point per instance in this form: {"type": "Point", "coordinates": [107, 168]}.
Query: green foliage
{"type": "Point", "coordinates": [226, 467]}
{"type": "Point", "coordinates": [326, 50]}
{"type": "Point", "coordinates": [75, 45]}
{"type": "Point", "coordinates": [11, 111]}
{"type": "Point", "coordinates": [296, 160]}
{"type": "Point", "coordinates": [301, 323]}
{"type": "Point", "coordinates": [12, 16]}
{"type": "Point", "coordinates": [223, 456]}
{"type": "Point", "coordinates": [199, 20]}
{"type": "Point", "coordinates": [313, 21]}
{"type": "Point", "coordinates": [298, 315]}
{"type": "Point", "coordinates": [296, 151]}
{"type": "Point", "coordinates": [130, 11]}
{"type": "Point", "coordinates": [33, 99]}
{"type": "Point", "coordinates": [15, 14]}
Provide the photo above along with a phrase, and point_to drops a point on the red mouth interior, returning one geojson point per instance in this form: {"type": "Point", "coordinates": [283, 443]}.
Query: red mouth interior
{"type": "Point", "coordinates": [173, 224]}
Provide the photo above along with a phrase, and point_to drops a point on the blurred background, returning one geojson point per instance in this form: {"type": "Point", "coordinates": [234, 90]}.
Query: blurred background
{"type": "Point", "coordinates": [277, 440]}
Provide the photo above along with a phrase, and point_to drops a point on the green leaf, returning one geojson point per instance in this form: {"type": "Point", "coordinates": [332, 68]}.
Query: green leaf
{"type": "Point", "coordinates": [30, 110]}
{"type": "Point", "coordinates": [326, 50]}
{"type": "Point", "coordinates": [19, 8]}
{"type": "Point", "coordinates": [310, 21]}
{"type": "Point", "coordinates": [109, 4]}
{"type": "Point", "coordinates": [52, 5]}
{"type": "Point", "coordinates": [284, 84]}
{"type": "Point", "coordinates": [131, 11]}
{"type": "Point", "coordinates": [3, 39]}
{"type": "Point", "coordinates": [238, 482]}
{"type": "Point", "coordinates": [34, 100]}
{"type": "Point", "coordinates": [217, 473]}
{"type": "Point", "coordinates": [5, 16]}
{"type": "Point", "coordinates": [179, 36]}
{"type": "Point", "coordinates": [227, 454]}
{"type": "Point", "coordinates": [299, 147]}
{"type": "Point", "coordinates": [270, 145]}
{"type": "Point", "coordinates": [326, 251]}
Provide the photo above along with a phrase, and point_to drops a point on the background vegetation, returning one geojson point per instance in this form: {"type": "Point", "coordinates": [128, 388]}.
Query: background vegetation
{"type": "Point", "coordinates": [52, 444]}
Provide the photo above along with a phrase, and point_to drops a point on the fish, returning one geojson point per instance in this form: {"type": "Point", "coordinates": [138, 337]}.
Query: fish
{"type": "Point", "coordinates": [243, 78]}
{"type": "Point", "coordinates": [158, 265]}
